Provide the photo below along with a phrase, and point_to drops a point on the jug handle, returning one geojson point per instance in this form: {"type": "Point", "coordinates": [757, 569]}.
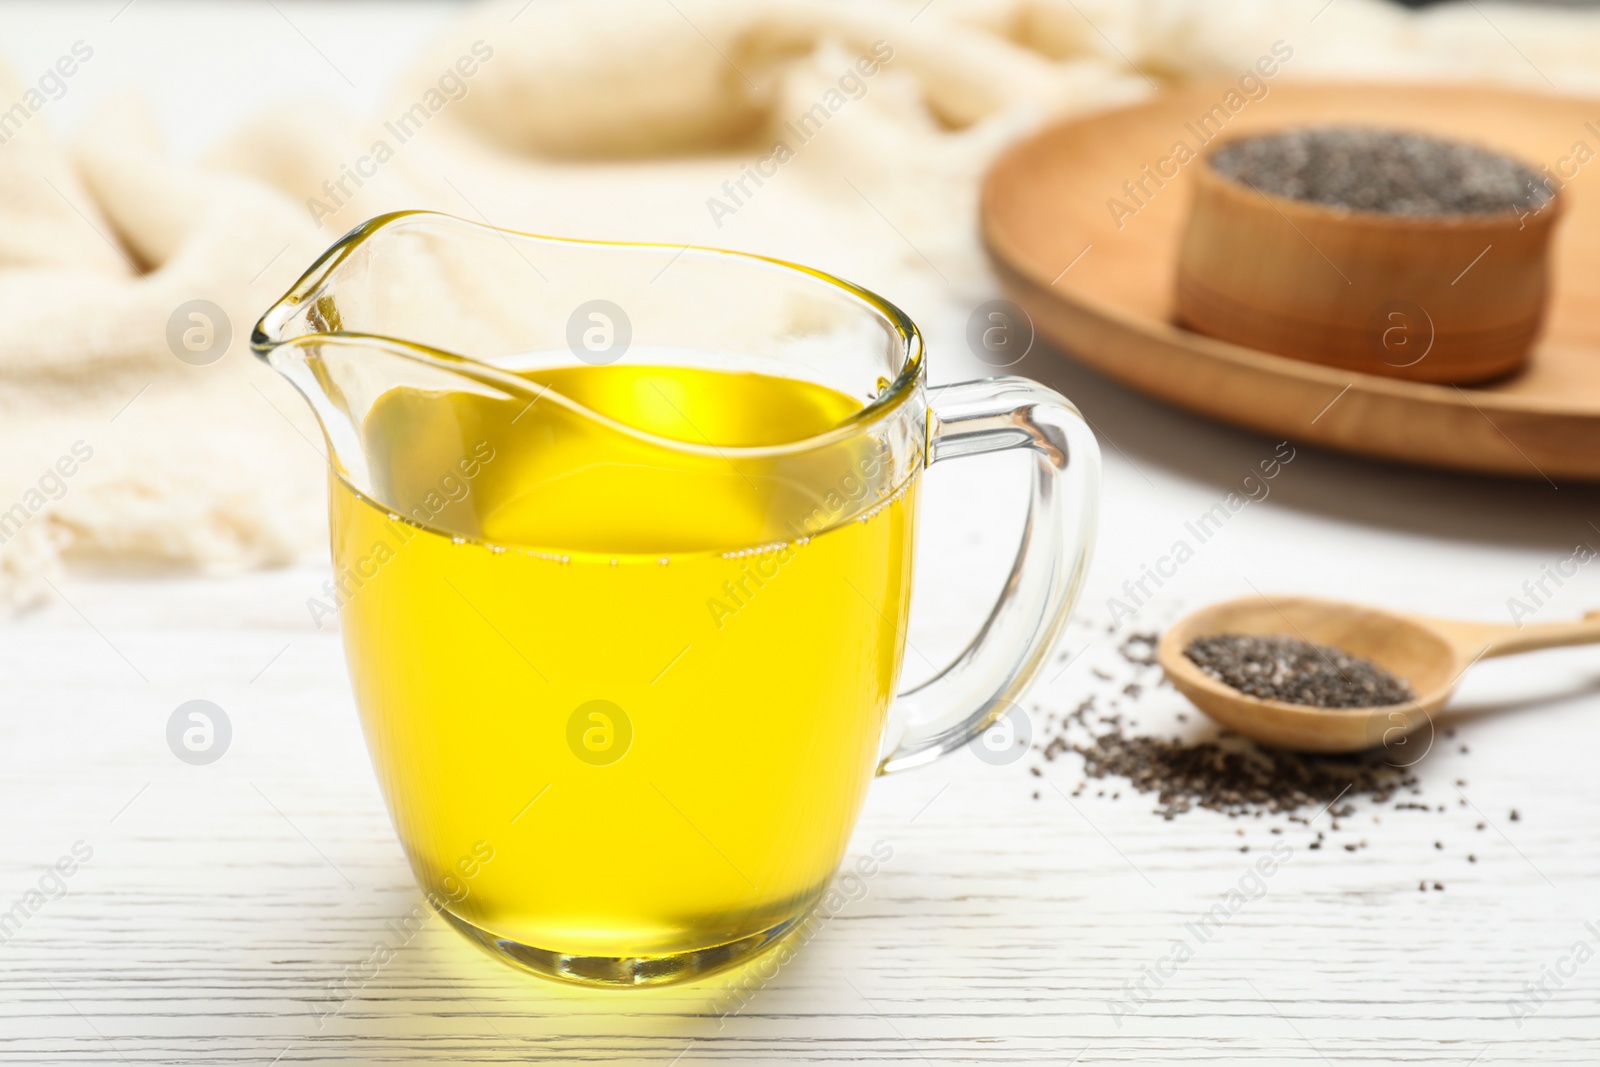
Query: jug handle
{"type": "Point", "coordinates": [967, 697]}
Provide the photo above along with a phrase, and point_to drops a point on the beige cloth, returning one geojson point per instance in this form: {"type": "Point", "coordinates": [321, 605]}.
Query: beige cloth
{"type": "Point", "coordinates": [584, 118]}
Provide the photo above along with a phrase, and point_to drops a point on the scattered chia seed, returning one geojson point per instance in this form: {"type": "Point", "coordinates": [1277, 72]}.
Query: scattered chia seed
{"type": "Point", "coordinates": [1296, 672]}
{"type": "Point", "coordinates": [1231, 775]}
{"type": "Point", "coordinates": [1386, 171]}
{"type": "Point", "coordinates": [1225, 773]}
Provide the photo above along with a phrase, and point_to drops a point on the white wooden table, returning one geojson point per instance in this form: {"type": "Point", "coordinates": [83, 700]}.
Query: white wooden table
{"type": "Point", "coordinates": [223, 903]}
{"type": "Point", "coordinates": [228, 913]}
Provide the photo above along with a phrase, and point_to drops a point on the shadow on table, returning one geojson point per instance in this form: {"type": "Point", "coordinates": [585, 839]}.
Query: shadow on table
{"type": "Point", "coordinates": [1433, 503]}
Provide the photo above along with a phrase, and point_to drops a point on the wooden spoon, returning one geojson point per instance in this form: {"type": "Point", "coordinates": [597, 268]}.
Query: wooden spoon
{"type": "Point", "coordinates": [1431, 654]}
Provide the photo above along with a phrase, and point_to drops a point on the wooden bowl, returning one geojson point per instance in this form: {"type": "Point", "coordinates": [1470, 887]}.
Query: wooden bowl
{"type": "Point", "coordinates": [1097, 280]}
{"type": "Point", "coordinates": [1447, 298]}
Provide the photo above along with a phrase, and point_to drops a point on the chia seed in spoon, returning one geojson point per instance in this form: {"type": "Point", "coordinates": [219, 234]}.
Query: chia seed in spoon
{"type": "Point", "coordinates": [1293, 671]}
{"type": "Point", "coordinates": [1387, 171]}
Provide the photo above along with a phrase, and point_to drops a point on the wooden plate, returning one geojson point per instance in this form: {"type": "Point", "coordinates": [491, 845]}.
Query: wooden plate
{"type": "Point", "coordinates": [1098, 281]}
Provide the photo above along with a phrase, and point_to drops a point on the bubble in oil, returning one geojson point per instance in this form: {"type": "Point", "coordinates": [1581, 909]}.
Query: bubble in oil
{"type": "Point", "coordinates": [458, 540]}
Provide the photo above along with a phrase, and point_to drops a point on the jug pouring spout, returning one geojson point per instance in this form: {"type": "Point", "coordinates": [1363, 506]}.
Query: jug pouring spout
{"type": "Point", "coordinates": [421, 340]}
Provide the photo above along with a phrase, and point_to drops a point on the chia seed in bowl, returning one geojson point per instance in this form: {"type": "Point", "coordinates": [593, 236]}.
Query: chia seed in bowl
{"type": "Point", "coordinates": [1390, 172]}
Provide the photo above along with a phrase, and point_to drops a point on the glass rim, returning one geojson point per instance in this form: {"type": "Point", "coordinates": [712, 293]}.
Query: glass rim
{"type": "Point", "coordinates": [265, 339]}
